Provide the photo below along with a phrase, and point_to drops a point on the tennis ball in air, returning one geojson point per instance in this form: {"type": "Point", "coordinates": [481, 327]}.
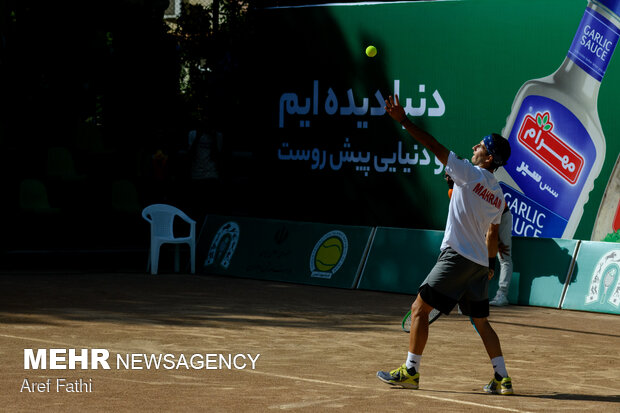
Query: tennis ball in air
{"type": "Point", "coordinates": [371, 51]}
{"type": "Point", "coordinates": [328, 254]}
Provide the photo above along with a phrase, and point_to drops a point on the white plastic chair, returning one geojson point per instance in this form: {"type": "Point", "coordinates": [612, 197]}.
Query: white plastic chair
{"type": "Point", "coordinates": [161, 218]}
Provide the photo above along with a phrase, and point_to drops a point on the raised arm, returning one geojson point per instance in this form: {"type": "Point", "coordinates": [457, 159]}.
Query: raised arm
{"type": "Point", "coordinates": [397, 112]}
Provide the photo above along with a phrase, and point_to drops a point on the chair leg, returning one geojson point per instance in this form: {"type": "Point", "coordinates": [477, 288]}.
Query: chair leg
{"type": "Point", "coordinates": [192, 252]}
{"type": "Point", "coordinates": [154, 259]}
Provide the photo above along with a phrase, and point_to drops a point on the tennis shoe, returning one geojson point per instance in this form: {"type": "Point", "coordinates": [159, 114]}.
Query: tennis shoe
{"type": "Point", "coordinates": [406, 378]}
{"type": "Point", "coordinates": [500, 300]}
{"type": "Point", "coordinates": [499, 385]}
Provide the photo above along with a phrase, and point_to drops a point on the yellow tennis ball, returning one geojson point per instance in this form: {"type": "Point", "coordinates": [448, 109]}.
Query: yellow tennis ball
{"type": "Point", "coordinates": [328, 254]}
{"type": "Point", "coordinates": [371, 51]}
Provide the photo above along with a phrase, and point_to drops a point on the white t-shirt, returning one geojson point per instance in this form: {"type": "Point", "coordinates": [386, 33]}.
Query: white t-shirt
{"type": "Point", "coordinates": [477, 202]}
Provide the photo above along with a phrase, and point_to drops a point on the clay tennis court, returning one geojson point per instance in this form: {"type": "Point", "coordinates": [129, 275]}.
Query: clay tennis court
{"type": "Point", "coordinates": [319, 348]}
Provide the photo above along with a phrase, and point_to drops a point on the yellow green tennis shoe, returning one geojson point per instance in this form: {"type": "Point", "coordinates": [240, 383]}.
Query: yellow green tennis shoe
{"type": "Point", "coordinates": [499, 385]}
{"type": "Point", "coordinates": [406, 378]}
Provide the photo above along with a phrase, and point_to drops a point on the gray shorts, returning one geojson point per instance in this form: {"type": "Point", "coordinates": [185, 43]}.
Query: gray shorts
{"type": "Point", "coordinates": [455, 279]}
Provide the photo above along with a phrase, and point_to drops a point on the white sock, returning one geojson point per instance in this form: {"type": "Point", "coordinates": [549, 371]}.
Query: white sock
{"type": "Point", "coordinates": [499, 366]}
{"type": "Point", "coordinates": [413, 360]}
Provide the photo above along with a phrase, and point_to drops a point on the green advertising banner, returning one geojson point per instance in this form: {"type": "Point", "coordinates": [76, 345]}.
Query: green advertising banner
{"type": "Point", "coordinates": [299, 252]}
{"type": "Point", "coordinates": [596, 279]}
{"type": "Point", "coordinates": [329, 153]}
{"type": "Point", "coordinates": [400, 259]}
{"type": "Point", "coordinates": [542, 268]}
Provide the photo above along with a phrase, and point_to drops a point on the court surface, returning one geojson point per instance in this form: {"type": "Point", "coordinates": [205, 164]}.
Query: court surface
{"type": "Point", "coordinates": [319, 348]}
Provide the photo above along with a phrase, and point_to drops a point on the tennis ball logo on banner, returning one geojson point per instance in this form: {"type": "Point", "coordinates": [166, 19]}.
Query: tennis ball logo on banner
{"type": "Point", "coordinates": [328, 254]}
{"type": "Point", "coordinates": [605, 283]}
{"type": "Point", "coordinates": [223, 245]}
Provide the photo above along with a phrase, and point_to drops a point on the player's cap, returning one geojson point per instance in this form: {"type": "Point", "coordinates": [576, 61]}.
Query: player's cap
{"type": "Point", "coordinates": [498, 147]}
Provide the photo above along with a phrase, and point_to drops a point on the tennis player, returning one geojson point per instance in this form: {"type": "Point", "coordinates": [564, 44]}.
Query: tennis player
{"type": "Point", "coordinates": [504, 249]}
{"type": "Point", "coordinates": [468, 250]}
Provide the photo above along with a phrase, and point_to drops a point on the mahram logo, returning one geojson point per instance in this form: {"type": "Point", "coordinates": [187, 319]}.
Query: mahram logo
{"type": "Point", "coordinates": [605, 282]}
{"type": "Point", "coordinates": [537, 136]}
{"type": "Point", "coordinates": [328, 254]}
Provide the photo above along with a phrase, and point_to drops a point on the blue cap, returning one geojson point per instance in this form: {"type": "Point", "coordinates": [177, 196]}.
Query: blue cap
{"type": "Point", "coordinates": [612, 5]}
{"type": "Point", "coordinates": [498, 147]}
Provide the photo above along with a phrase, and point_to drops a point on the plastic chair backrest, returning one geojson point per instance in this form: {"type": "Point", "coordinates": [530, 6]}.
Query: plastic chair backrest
{"type": "Point", "coordinates": [161, 217]}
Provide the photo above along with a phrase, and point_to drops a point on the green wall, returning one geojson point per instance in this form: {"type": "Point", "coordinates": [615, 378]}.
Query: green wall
{"type": "Point", "coordinates": [299, 252]}
{"type": "Point", "coordinates": [554, 273]}
{"type": "Point", "coordinates": [459, 62]}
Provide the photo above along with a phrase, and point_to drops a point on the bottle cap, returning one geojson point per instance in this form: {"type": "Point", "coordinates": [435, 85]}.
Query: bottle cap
{"type": "Point", "coordinates": [612, 5]}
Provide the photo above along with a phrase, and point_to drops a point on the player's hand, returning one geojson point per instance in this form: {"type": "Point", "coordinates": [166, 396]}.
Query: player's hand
{"type": "Point", "coordinates": [491, 274]}
{"type": "Point", "coordinates": [394, 109]}
{"type": "Point", "coordinates": [503, 250]}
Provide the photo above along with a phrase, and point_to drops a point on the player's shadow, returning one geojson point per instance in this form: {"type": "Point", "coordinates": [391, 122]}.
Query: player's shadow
{"type": "Point", "coordinates": [561, 329]}
{"type": "Point", "coordinates": [552, 396]}
{"type": "Point", "coordinates": [577, 397]}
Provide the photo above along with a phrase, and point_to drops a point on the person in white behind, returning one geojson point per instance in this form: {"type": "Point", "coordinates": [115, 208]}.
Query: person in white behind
{"type": "Point", "coordinates": [505, 260]}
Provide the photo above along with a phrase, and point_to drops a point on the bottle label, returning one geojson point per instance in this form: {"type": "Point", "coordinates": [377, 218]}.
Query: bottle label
{"type": "Point", "coordinates": [552, 156]}
{"type": "Point", "coordinates": [594, 43]}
